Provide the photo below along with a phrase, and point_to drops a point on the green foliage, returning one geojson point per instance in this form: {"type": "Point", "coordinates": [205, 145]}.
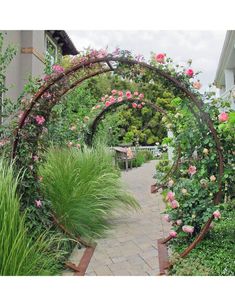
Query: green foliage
{"type": "Point", "coordinates": [215, 254]}
{"type": "Point", "coordinates": [142, 157]}
{"type": "Point", "coordinates": [84, 188]}
{"type": "Point", "coordinates": [21, 254]}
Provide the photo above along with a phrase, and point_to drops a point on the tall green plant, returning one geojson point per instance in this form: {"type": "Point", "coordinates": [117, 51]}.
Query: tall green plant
{"type": "Point", "coordinates": [84, 188]}
{"type": "Point", "coordinates": [20, 253]}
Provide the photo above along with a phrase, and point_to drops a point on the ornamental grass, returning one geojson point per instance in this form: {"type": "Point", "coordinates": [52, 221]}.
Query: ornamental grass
{"type": "Point", "coordinates": [84, 188]}
{"type": "Point", "coordinates": [21, 254]}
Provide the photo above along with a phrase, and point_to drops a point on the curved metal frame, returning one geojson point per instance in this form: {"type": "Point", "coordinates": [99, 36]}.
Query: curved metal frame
{"type": "Point", "coordinates": [130, 62]}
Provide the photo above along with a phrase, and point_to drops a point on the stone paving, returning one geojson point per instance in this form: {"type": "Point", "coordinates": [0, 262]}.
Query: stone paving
{"type": "Point", "coordinates": [130, 248]}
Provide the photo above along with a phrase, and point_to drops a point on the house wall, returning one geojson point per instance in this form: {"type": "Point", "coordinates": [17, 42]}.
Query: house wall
{"type": "Point", "coordinates": [28, 61]}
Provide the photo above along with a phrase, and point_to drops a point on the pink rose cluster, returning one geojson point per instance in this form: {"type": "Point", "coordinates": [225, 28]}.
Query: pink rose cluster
{"type": "Point", "coordinates": [57, 69]}
{"type": "Point", "coordinates": [119, 96]}
{"type": "Point", "coordinates": [171, 198]}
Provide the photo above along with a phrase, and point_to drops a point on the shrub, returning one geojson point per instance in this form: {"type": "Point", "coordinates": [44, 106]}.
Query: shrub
{"type": "Point", "coordinates": [139, 159]}
{"type": "Point", "coordinates": [215, 254]}
{"type": "Point", "coordinates": [84, 188]}
{"type": "Point", "coordinates": [20, 253]}
{"type": "Point", "coordinates": [147, 155]}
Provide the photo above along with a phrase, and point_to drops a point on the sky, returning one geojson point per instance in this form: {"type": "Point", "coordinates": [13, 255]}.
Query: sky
{"type": "Point", "coordinates": [203, 47]}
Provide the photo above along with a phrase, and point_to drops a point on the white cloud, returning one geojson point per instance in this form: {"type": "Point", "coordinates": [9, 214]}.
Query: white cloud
{"type": "Point", "coordinates": [203, 47]}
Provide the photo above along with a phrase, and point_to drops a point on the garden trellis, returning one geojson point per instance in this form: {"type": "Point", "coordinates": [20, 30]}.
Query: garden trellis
{"type": "Point", "coordinates": [37, 109]}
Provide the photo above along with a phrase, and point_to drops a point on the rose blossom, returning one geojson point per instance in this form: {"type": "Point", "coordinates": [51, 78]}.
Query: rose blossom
{"type": "Point", "coordinates": [160, 58]}
{"type": "Point", "coordinates": [197, 85]}
{"type": "Point", "coordinates": [136, 93]}
{"type": "Point", "coordinates": [174, 204]}
{"type": "Point", "coordinates": [205, 151]}
{"type": "Point", "coordinates": [170, 183]}
{"type": "Point", "coordinates": [97, 106]}
{"type": "Point", "coordinates": [173, 234]}
{"type": "Point", "coordinates": [128, 95]}
{"type": "Point", "coordinates": [120, 93]}
{"type": "Point", "coordinates": [108, 103]}
{"type": "Point", "coordinates": [167, 218]}
{"type": "Point", "coordinates": [192, 170]}
{"type": "Point", "coordinates": [184, 191]}
{"type": "Point", "coordinates": [78, 146]}
{"type": "Point", "coordinates": [73, 128]}
{"type": "Point", "coordinates": [223, 117]}
{"type": "Point", "coordinates": [170, 196]}
{"type": "Point", "coordinates": [86, 119]}
{"type": "Point", "coordinates": [112, 100]}
{"type": "Point", "coordinates": [141, 96]}
{"type": "Point", "coordinates": [120, 99]}
{"type": "Point", "coordinates": [103, 99]}
{"type": "Point", "coordinates": [114, 91]}
{"type": "Point", "coordinates": [189, 72]}
{"type": "Point", "coordinates": [217, 214]}
{"type": "Point", "coordinates": [212, 178]}
{"type": "Point", "coordinates": [179, 222]}
{"type": "Point", "coordinates": [40, 120]}
{"type": "Point", "coordinates": [139, 106]}
{"type": "Point", "coordinates": [188, 229]}
{"type": "Point", "coordinates": [70, 144]}
{"type": "Point", "coordinates": [38, 203]}
{"type": "Point", "coordinates": [57, 68]}
{"type": "Point", "coordinates": [134, 105]}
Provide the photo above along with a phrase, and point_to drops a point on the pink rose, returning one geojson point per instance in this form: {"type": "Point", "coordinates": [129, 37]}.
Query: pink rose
{"type": "Point", "coordinates": [38, 203]}
{"type": "Point", "coordinates": [173, 234]}
{"type": "Point", "coordinates": [120, 99]}
{"type": "Point", "coordinates": [223, 117]}
{"type": "Point", "coordinates": [160, 58]}
{"type": "Point", "coordinates": [97, 106]}
{"type": "Point", "coordinates": [189, 72]}
{"type": "Point", "coordinates": [167, 218]}
{"type": "Point", "coordinates": [174, 204]}
{"type": "Point", "coordinates": [141, 96]}
{"type": "Point", "coordinates": [212, 178]}
{"type": "Point", "coordinates": [188, 229]}
{"type": "Point", "coordinates": [197, 85]}
{"type": "Point", "coordinates": [139, 106]}
{"type": "Point", "coordinates": [108, 103]}
{"type": "Point", "coordinates": [170, 196]}
{"type": "Point", "coordinates": [112, 100]}
{"type": "Point", "coordinates": [120, 93]}
{"type": "Point", "coordinates": [217, 214]}
{"type": "Point", "coordinates": [136, 93]}
{"type": "Point", "coordinates": [78, 146]}
{"type": "Point", "coordinates": [57, 69]}
{"type": "Point", "coordinates": [134, 105]}
{"type": "Point", "coordinates": [192, 170]}
{"type": "Point", "coordinates": [128, 95]}
{"type": "Point", "coordinates": [103, 99]}
{"type": "Point", "coordinates": [178, 222]}
{"type": "Point", "coordinates": [40, 120]}
{"type": "Point", "coordinates": [114, 92]}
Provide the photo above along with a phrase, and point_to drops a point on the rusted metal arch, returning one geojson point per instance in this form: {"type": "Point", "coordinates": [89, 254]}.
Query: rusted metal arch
{"type": "Point", "coordinates": [98, 118]}
{"type": "Point", "coordinates": [198, 103]}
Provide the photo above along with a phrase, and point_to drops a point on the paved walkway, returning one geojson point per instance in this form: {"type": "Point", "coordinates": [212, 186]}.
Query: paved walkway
{"type": "Point", "coordinates": [130, 248]}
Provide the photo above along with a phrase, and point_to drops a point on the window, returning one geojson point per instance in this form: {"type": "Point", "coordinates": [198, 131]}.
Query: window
{"type": "Point", "coordinates": [51, 51]}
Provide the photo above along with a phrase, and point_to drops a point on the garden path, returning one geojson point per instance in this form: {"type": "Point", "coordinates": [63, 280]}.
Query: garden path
{"type": "Point", "coordinates": [130, 248]}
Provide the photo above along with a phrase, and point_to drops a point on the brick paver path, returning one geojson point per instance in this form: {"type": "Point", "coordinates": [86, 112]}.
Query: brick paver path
{"type": "Point", "coordinates": [130, 248]}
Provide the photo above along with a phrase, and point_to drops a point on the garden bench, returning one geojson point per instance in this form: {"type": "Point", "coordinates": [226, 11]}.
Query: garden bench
{"type": "Point", "coordinates": [124, 155]}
